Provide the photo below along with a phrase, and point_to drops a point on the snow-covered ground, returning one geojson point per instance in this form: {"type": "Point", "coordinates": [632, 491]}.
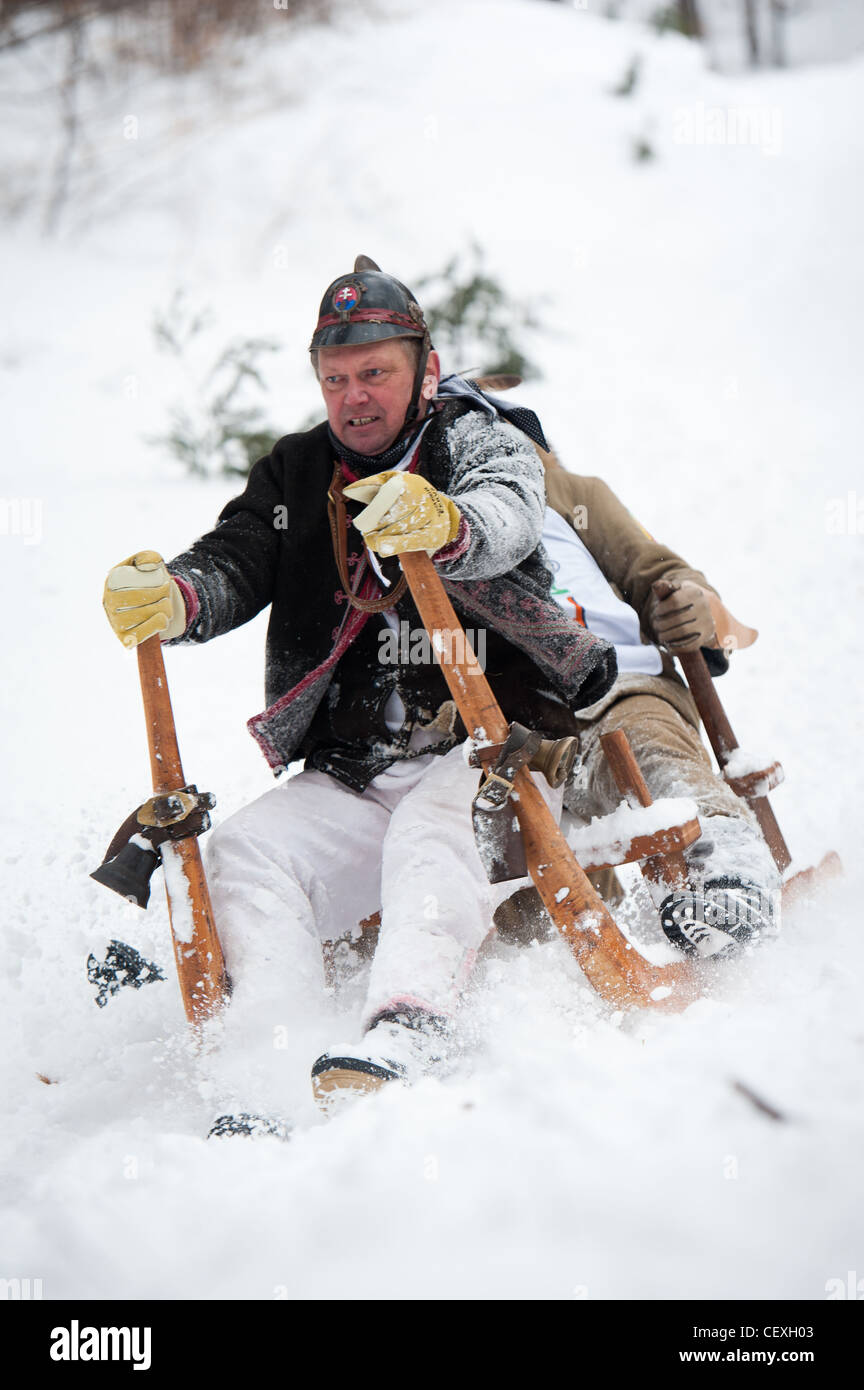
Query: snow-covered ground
{"type": "Point", "coordinates": [702, 353]}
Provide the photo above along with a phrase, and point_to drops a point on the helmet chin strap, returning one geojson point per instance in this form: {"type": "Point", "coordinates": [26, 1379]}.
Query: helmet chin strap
{"type": "Point", "coordinates": [413, 413]}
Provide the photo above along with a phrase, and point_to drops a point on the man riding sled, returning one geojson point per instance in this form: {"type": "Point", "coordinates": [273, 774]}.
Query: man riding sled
{"type": "Point", "coordinates": [380, 814]}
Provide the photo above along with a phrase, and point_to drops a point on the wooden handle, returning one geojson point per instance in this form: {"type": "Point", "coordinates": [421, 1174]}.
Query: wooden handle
{"type": "Point", "coordinates": [711, 712]}
{"type": "Point", "coordinates": [165, 766]}
{"type": "Point", "coordinates": [204, 982]}
{"type": "Point", "coordinates": [625, 769]}
{"type": "Point", "coordinates": [724, 743]}
{"type": "Point", "coordinates": [669, 869]}
{"type": "Point", "coordinates": [612, 965]}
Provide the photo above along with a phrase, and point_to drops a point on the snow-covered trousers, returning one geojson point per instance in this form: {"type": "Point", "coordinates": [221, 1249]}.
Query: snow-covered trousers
{"type": "Point", "coordinates": [674, 762]}
{"type": "Point", "coordinates": [306, 862]}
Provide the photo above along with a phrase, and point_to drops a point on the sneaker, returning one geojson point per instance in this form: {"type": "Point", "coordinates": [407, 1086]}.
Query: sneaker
{"type": "Point", "coordinates": [718, 919]}
{"type": "Point", "coordinates": [252, 1126]}
{"type": "Point", "coordinates": [401, 1045]}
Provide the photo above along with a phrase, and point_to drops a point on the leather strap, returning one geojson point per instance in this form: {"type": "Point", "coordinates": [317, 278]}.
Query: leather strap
{"type": "Point", "coordinates": [338, 516]}
{"type": "Point", "coordinates": [496, 830]}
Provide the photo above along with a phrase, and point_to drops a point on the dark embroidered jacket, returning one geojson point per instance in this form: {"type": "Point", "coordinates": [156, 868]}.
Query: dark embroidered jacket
{"type": "Point", "coordinates": [325, 687]}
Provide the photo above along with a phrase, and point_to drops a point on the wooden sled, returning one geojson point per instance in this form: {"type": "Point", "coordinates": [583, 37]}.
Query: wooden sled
{"type": "Point", "coordinates": [659, 855]}
{"type": "Point", "coordinates": [611, 963]}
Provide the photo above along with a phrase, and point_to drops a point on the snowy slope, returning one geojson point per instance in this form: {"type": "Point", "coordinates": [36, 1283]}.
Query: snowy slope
{"type": "Point", "coordinates": [701, 354]}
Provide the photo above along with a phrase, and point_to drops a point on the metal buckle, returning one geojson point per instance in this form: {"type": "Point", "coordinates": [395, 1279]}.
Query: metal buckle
{"type": "Point", "coordinates": [499, 798]}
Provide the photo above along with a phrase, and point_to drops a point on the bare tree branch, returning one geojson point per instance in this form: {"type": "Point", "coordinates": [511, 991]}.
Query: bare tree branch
{"type": "Point", "coordinates": [69, 108]}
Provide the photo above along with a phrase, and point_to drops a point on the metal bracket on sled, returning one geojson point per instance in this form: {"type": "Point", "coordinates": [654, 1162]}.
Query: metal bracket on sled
{"type": "Point", "coordinates": [133, 854]}
{"type": "Point", "coordinates": [496, 829]}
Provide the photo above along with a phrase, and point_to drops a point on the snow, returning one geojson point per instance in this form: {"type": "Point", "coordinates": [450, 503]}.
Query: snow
{"type": "Point", "coordinates": [701, 319]}
{"type": "Point", "coordinates": [608, 838]}
{"type": "Point", "coordinates": [177, 884]}
{"type": "Point", "coordinates": [661, 992]}
{"type": "Point", "coordinates": [742, 763]}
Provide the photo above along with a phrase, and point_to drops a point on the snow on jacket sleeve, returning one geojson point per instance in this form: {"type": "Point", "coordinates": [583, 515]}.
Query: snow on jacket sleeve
{"type": "Point", "coordinates": [498, 485]}
{"type": "Point", "coordinates": [232, 568]}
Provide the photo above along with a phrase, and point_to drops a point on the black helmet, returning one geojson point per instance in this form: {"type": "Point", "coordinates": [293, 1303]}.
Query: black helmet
{"type": "Point", "coordinates": [365, 307]}
{"type": "Point", "coordinates": [368, 306]}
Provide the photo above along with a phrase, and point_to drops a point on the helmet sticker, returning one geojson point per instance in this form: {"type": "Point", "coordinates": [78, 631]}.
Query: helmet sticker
{"type": "Point", "coordinates": [346, 298]}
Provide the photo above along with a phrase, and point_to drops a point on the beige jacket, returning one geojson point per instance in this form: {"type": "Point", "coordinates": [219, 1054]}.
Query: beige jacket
{"type": "Point", "coordinates": [631, 560]}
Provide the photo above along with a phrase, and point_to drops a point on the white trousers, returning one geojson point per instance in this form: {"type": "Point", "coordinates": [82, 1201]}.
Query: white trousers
{"type": "Point", "coordinates": [307, 861]}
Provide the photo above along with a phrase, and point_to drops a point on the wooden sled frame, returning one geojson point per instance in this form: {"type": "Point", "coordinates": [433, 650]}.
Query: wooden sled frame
{"type": "Point", "coordinates": [659, 856]}
{"type": "Point", "coordinates": [611, 963]}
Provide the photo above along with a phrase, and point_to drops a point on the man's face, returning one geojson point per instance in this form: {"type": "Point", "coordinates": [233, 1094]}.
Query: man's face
{"type": "Point", "coordinates": [367, 389]}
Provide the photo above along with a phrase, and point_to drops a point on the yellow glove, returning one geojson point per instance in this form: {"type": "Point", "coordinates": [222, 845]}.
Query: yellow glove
{"type": "Point", "coordinates": [141, 598]}
{"type": "Point", "coordinates": [405, 513]}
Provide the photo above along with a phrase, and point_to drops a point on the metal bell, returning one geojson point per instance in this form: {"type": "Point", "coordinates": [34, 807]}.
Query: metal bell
{"type": "Point", "coordinates": [129, 872]}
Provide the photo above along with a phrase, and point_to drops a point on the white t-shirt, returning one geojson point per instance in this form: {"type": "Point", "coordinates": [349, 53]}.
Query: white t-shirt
{"type": "Point", "coordinates": [584, 593]}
